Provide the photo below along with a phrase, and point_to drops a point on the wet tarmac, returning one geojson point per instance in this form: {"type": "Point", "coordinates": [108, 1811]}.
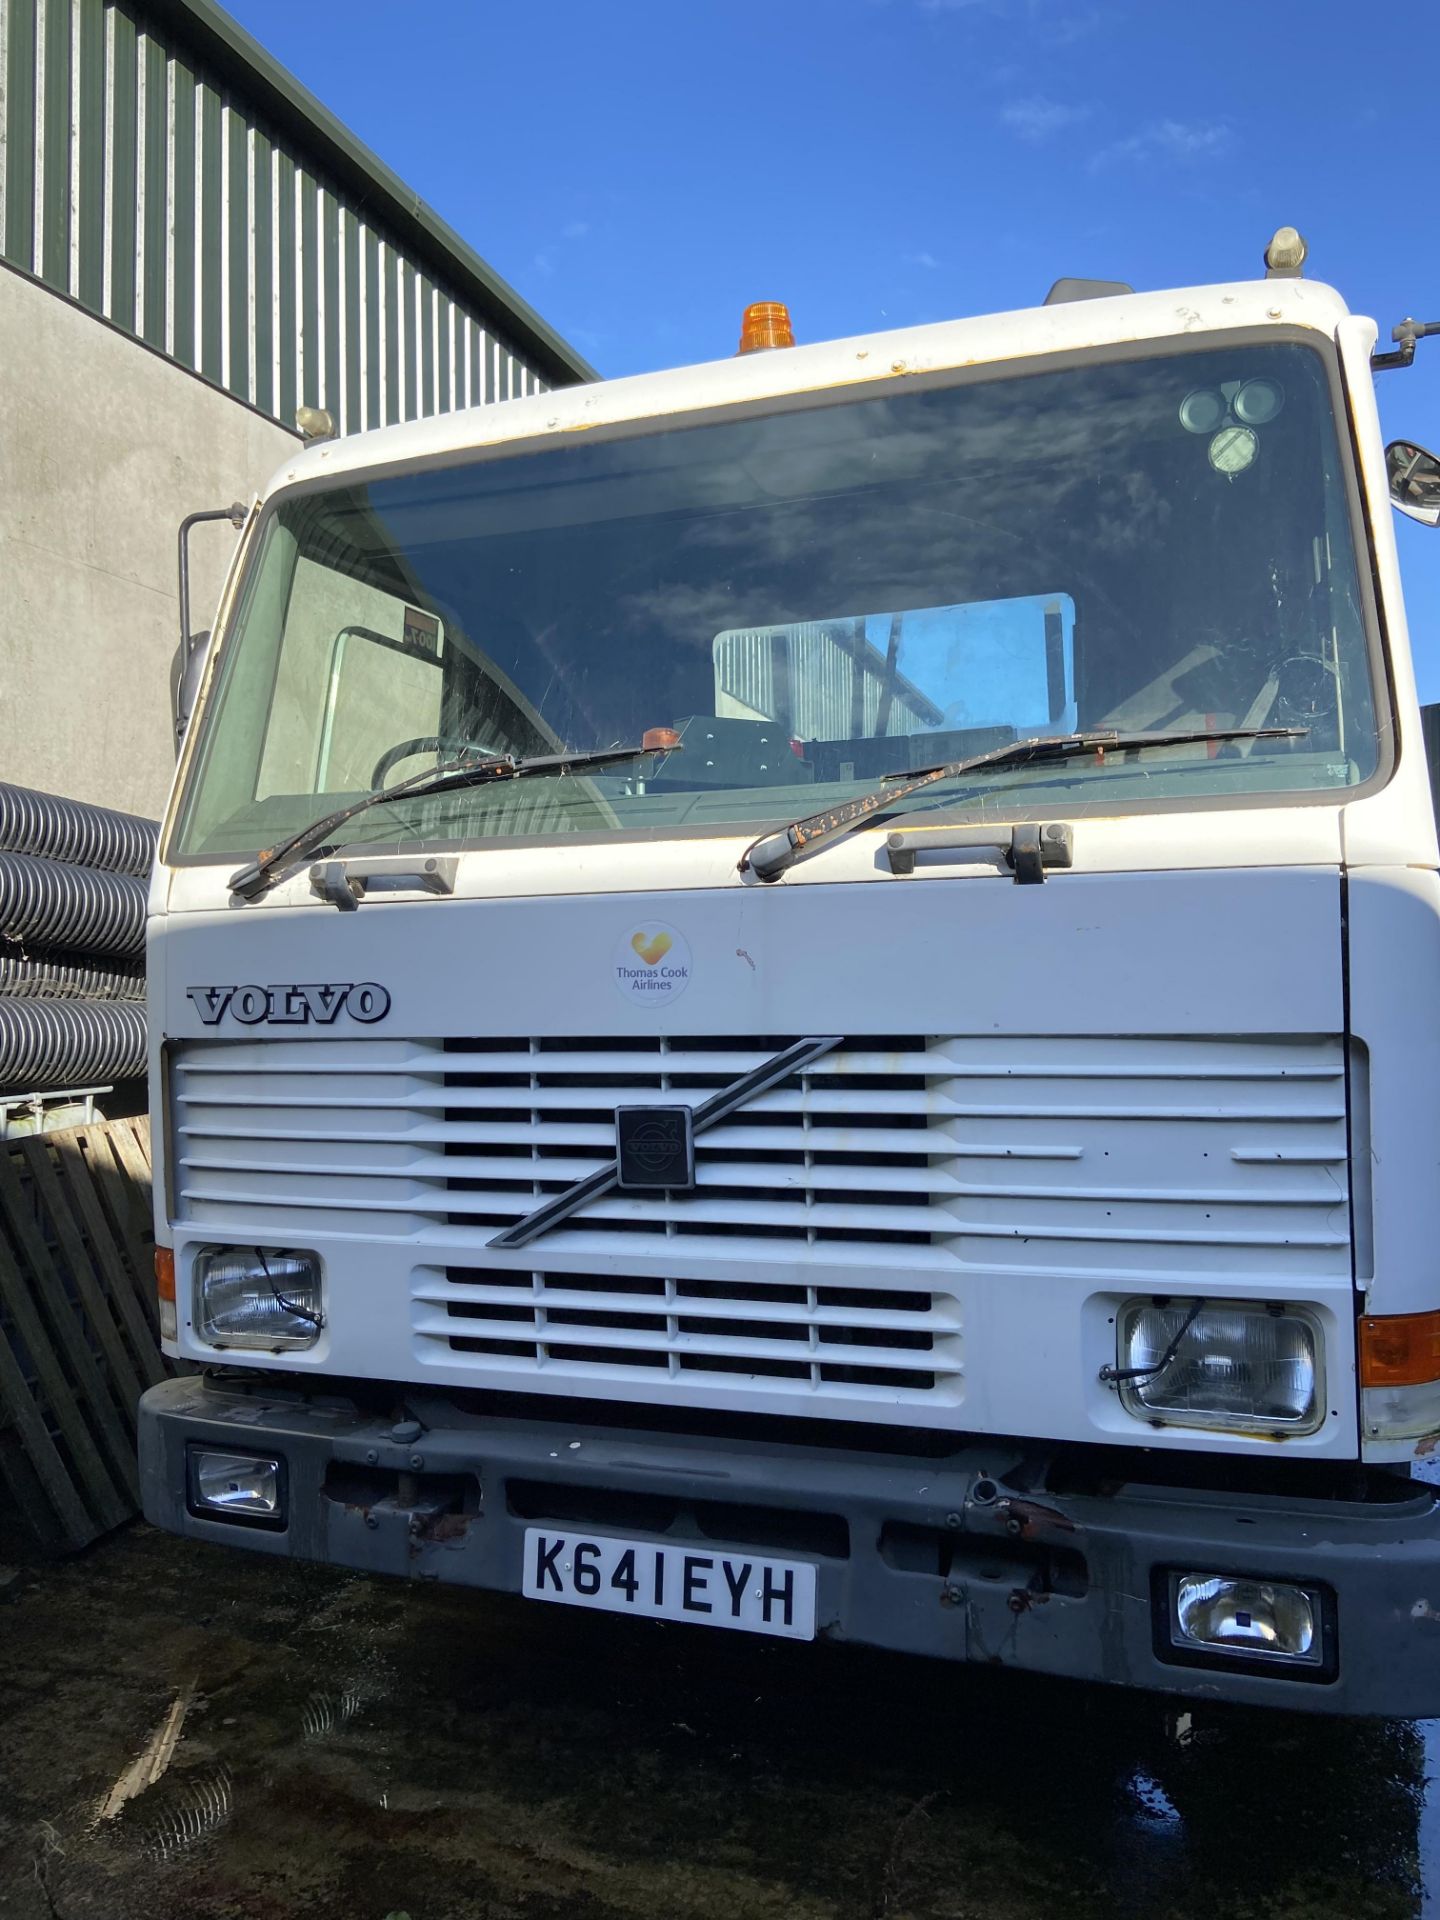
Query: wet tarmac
{"type": "Point", "coordinates": [348, 1748]}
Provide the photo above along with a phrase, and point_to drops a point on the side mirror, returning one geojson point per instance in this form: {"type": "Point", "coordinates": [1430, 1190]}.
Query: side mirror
{"type": "Point", "coordinates": [186, 673]}
{"type": "Point", "coordinates": [188, 666]}
{"type": "Point", "coordinates": [1414, 477]}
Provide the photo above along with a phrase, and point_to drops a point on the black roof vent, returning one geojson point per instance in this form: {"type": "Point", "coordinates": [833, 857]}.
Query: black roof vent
{"type": "Point", "coordinates": [1064, 290]}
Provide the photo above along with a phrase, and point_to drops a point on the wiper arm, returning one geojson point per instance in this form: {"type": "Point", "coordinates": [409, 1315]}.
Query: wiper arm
{"type": "Point", "coordinates": [771, 855]}
{"type": "Point", "coordinates": [465, 771]}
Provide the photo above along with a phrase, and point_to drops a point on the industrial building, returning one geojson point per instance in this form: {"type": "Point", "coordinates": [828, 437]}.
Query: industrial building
{"type": "Point", "coordinates": [192, 246]}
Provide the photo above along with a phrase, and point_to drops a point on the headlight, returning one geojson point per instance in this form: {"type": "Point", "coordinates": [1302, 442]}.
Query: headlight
{"type": "Point", "coordinates": [1230, 1364]}
{"type": "Point", "coordinates": [256, 1297]}
{"type": "Point", "coordinates": [239, 1485]}
{"type": "Point", "coordinates": [1249, 1619]}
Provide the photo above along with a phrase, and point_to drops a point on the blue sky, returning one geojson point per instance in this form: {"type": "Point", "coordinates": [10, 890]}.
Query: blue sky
{"type": "Point", "coordinates": [640, 170]}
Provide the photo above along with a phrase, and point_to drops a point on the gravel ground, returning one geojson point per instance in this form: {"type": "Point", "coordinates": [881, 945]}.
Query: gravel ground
{"type": "Point", "coordinates": [354, 1748]}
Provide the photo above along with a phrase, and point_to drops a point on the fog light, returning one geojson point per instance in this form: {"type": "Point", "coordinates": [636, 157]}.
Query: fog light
{"type": "Point", "coordinates": [236, 1483]}
{"type": "Point", "coordinates": [258, 1297]}
{"type": "Point", "coordinates": [1232, 1364]}
{"type": "Point", "coordinates": [1254, 1619]}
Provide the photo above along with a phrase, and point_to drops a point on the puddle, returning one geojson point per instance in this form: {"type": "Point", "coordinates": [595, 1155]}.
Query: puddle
{"type": "Point", "coordinates": [355, 1748]}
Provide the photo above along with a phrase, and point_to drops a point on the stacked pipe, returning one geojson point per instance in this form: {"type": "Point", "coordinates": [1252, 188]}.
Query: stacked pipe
{"type": "Point", "coordinates": [72, 939]}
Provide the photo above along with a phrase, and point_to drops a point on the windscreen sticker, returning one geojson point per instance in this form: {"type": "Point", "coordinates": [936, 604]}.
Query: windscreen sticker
{"type": "Point", "coordinates": [652, 963]}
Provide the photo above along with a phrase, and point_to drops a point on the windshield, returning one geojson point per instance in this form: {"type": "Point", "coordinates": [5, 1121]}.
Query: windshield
{"type": "Point", "coordinates": [813, 598]}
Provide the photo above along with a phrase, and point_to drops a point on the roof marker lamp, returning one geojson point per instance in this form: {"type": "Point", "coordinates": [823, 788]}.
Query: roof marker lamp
{"type": "Point", "coordinates": [315, 423]}
{"type": "Point", "coordinates": [258, 1297]}
{"type": "Point", "coordinates": [766, 323]}
{"type": "Point", "coordinates": [1286, 254]}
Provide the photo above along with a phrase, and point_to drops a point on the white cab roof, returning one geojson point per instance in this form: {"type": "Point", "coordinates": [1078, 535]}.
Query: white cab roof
{"type": "Point", "coordinates": [987, 339]}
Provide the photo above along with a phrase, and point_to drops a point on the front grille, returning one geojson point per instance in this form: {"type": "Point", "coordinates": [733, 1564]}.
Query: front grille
{"type": "Point", "coordinates": [836, 1221]}
{"type": "Point", "coordinates": [839, 1156]}
{"type": "Point", "coordinates": [901, 1341]}
{"type": "Point", "coordinates": [840, 1152]}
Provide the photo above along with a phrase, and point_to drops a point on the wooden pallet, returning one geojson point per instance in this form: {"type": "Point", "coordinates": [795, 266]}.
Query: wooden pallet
{"type": "Point", "coordinates": [78, 1328]}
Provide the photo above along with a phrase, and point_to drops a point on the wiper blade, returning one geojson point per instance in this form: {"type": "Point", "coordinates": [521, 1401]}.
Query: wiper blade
{"type": "Point", "coordinates": [466, 771]}
{"type": "Point", "coordinates": [771, 855]}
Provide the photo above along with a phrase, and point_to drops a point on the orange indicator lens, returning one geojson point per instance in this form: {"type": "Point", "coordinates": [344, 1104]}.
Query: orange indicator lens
{"type": "Point", "coordinates": [1399, 1349]}
{"type": "Point", "coordinates": [766, 324]}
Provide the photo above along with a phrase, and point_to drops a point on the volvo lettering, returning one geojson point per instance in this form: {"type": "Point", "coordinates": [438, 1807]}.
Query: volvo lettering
{"type": "Point", "coordinates": [321, 1003]}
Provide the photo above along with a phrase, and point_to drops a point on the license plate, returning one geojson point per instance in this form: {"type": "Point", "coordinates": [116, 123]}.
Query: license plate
{"type": "Point", "coordinates": [745, 1591]}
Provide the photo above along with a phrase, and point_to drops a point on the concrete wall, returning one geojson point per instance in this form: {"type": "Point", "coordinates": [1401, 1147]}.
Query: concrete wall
{"type": "Point", "coordinates": [104, 448]}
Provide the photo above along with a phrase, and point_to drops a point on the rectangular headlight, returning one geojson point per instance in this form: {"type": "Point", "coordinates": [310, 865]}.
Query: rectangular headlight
{"type": "Point", "coordinates": [1232, 1364]}
{"type": "Point", "coordinates": [258, 1297]}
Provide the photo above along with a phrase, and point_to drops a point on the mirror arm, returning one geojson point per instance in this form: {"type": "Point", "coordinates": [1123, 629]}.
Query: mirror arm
{"type": "Point", "coordinates": [237, 513]}
{"type": "Point", "coordinates": [1405, 335]}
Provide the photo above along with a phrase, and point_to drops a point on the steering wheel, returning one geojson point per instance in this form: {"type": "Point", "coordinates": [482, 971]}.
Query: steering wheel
{"type": "Point", "coordinates": [427, 743]}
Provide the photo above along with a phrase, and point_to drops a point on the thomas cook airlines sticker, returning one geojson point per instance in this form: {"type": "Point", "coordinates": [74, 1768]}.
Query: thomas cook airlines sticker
{"type": "Point", "coordinates": [652, 964]}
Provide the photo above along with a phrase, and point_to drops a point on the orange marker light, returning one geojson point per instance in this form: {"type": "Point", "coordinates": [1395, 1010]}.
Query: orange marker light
{"type": "Point", "coordinates": [766, 324]}
{"type": "Point", "coordinates": [165, 1273]}
{"type": "Point", "coordinates": [659, 740]}
{"type": "Point", "coordinates": [165, 1291]}
{"type": "Point", "coordinates": [1400, 1349]}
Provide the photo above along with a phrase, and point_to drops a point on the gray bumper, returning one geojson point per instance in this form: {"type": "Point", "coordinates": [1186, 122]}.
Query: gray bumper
{"type": "Point", "coordinates": [920, 1555]}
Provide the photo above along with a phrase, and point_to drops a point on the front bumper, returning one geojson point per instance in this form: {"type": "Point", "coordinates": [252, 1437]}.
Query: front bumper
{"type": "Point", "coordinates": [956, 1557]}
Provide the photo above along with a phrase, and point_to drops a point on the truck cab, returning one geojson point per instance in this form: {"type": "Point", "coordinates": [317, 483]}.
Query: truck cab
{"type": "Point", "coordinates": [801, 994]}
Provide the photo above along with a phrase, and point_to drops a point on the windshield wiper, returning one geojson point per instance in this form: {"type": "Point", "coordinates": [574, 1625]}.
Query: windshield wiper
{"type": "Point", "coordinates": [466, 771]}
{"type": "Point", "coordinates": [770, 856]}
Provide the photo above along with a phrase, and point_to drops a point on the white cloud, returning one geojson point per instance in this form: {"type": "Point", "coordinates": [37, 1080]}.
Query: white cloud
{"type": "Point", "coordinates": [1057, 22]}
{"type": "Point", "coordinates": [575, 230]}
{"type": "Point", "coordinates": [1065, 27]}
{"type": "Point", "coordinates": [926, 260]}
{"type": "Point", "coordinates": [1169, 140]}
{"type": "Point", "coordinates": [1036, 118]}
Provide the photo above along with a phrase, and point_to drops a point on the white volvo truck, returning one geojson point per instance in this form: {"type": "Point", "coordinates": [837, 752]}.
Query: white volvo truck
{"type": "Point", "coordinates": [804, 995]}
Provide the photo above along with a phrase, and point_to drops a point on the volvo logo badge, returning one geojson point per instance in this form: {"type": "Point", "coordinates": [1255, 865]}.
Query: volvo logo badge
{"type": "Point", "coordinates": [654, 1149]}
{"type": "Point", "coordinates": [316, 1003]}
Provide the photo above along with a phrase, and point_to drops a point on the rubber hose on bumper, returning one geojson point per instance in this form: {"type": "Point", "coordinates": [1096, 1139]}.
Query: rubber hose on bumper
{"type": "Point", "coordinates": [44, 824]}
{"type": "Point", "coordinates": [69, 976]}
{"type": "Point", "coordinates": [45, 1044]}
{"type": "Point", "coordinates": [55, 904]}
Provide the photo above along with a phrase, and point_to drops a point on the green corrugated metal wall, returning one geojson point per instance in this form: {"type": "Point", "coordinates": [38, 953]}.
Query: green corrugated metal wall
{"type": "Point", "coordinates": [131, 183]}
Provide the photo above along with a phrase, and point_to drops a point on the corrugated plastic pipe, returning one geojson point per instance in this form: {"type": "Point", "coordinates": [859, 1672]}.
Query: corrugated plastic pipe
{"type": "Point", "coordinates": [68, 976]}
{"type": "Point", "coordinates": [48, 1046]}
{"type": "Point", "coordinates": [55, 904]}
{"type": "Point", "coordinates": [43, 823]}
